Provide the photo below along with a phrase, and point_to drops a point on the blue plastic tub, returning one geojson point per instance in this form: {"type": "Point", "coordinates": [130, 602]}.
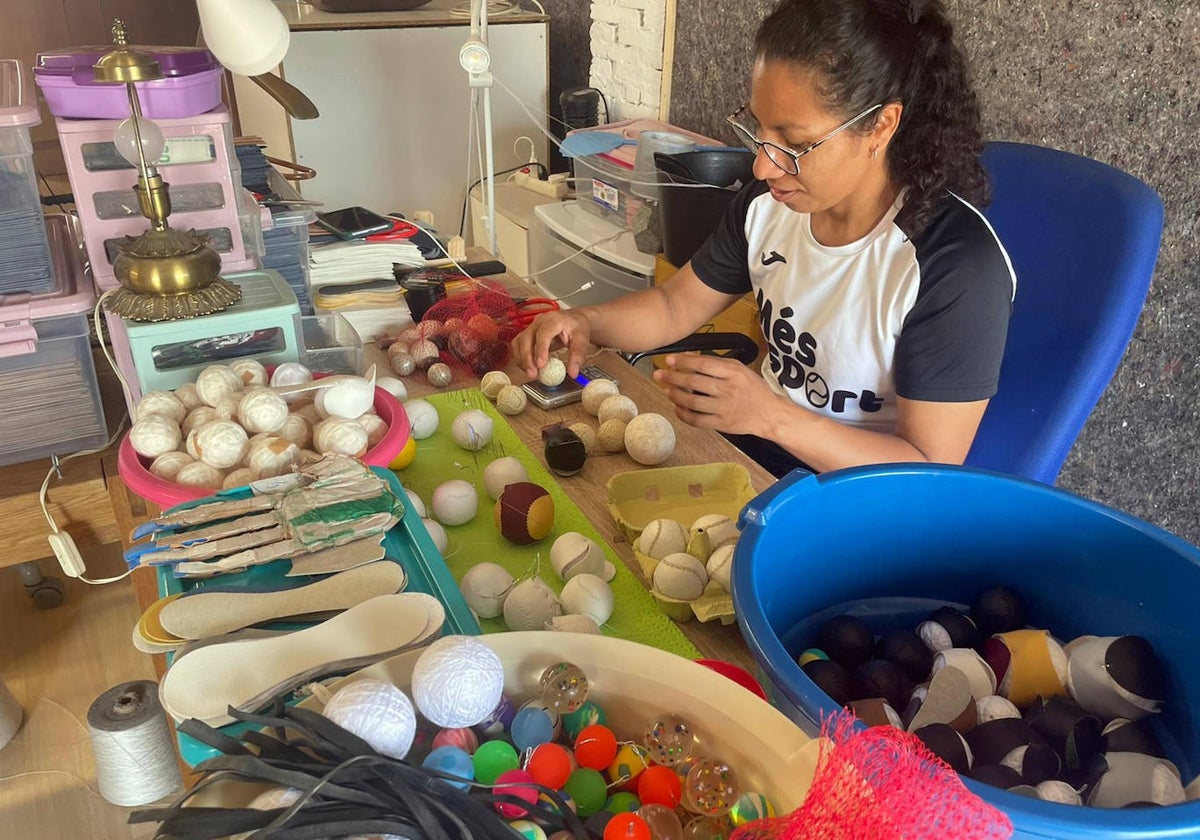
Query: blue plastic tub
{"type": "Point", "coordinates": [882, 538]}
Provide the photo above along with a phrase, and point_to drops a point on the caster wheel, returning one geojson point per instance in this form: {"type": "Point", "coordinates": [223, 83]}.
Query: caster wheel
{"type": "Point", "coordinates": [47, 593]}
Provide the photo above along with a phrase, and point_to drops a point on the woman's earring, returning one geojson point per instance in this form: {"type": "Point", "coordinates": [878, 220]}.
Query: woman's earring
{"type": "Point", "coordinates": [874, 152]}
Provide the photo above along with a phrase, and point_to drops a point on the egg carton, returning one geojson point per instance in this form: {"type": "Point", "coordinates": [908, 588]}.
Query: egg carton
{"type": "Point", "coordinates": [715, 603]}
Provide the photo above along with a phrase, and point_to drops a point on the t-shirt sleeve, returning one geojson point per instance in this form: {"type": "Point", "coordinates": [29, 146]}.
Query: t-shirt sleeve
{"type": "Point", "coordinates": [952, 341]}
{"type": "Point", "coordinates": [721, 262]}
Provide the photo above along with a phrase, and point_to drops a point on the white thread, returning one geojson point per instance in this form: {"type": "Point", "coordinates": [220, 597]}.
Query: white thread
{"type": "Point", "coordinates": [135, 759]}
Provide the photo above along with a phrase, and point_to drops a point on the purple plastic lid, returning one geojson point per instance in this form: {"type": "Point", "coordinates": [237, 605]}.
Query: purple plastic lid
{"type": "Point", "coordinates": [77, 62]}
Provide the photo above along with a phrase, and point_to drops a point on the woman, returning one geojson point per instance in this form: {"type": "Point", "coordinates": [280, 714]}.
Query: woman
{"type": "Point", "coordinates": [883, 294]}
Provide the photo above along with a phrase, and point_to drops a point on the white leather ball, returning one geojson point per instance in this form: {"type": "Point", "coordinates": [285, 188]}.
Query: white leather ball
{"type": "Point", "coordinates": [720, 565]}
{"type": "Point", "coordinates": [484, 587]}
{"type": "Point", "coordinates": [530, 604]}
{"type": "Point", "coordinates": [502, 472]}
{"type": "Point", "coordinates": [661, 537]}
{"type": "Point", "coordinates": [472, 429]}
{"type": "Point", "coordinates": [437, 533]}
{"type": "Point", "coordinates": [680, 576]}
{"type": "Point", "coordinates": [454, 502]}
{"type": "Point", "coordinates": [574, 554]}
{"type": "Point", "coordinates": [422, 418]}
{"type": "Point", "coordinates": [588, 595]}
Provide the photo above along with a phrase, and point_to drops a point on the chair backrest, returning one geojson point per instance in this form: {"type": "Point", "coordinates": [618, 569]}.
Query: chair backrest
{"type": "Point", "coordinates": [1083, 238]}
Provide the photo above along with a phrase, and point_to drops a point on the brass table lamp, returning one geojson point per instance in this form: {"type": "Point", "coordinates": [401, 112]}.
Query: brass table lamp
{"type": "Point", "coordinates": [165, 274]}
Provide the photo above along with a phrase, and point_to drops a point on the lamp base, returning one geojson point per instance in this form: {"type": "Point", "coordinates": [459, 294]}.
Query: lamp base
{"type": "Point", "coordinates": [135, 306]}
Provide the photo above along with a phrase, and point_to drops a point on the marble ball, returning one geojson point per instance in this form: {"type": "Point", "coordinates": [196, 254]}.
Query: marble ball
{"type": "Point", "coordinates": [611, 437]}
{"type": "Point", "coordinates": [160, 402]}
{"type": "Point", "coordinates": [187, 394]}
{"type": "Point", "coordinates": [511, 399]}
{"type": "Point", "coordinates": [618, 407]}
{"type": "Point", "coordinates": [167, 465]}
{"type": "Point", "coordinates": [492, 382]}
{"type": "Point", "coordinates": [271, 456]}
{"type": "Point", "coordinates": [439, 374]}
{"type": "Point", "coordinates": [649, 439]}
{"type": "Point", "coordinates": [585, 433]}
{"type": "Point", "coordinates": [262, 410]}
{"type": "Point", "coordinates": [422, 418]}
{"type": "Point", "coordinates": [472, 429]}
{"type": "Point", "coordinates": [154, 434]}
{"type": "Point", "coordinates": [553, 374]}
{"type": "Point", "coordinates": [200, 474]}
{"type": "Point", "coordinates": [250, 371]}
{"type": "Point", "coordinates": [596, 392]}
{"type": "Point", "coordinates": [454, 502]}
{"type": "Point", "coordinates": [217, 381]}
{"type": "Point", "coordinates": [502, 472]}
{"type": "Point", "coordinates": [341, 436]}
{"type": "Point", "coordinates": [221, 443]}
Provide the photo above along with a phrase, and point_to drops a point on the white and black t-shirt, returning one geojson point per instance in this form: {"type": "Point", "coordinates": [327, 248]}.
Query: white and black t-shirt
{"type": "Point", "coordinates": [849, 328]}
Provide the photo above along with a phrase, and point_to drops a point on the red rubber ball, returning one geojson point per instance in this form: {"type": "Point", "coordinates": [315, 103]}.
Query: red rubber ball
{"type": "Point", "coordinates": [596, 747]}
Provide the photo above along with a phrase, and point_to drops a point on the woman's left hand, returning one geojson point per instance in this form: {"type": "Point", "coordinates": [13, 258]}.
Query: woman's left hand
{"type": "Point", "coordinates": [710, 392]}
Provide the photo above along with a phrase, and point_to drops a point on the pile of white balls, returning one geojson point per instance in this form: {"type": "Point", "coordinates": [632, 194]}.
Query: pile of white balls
{"type": "Point", "coordinates": [648, 438]}
{"type": "Point", "coordinates": [229, 428]}
{"type": "Point", "coordinates": [683, 561]}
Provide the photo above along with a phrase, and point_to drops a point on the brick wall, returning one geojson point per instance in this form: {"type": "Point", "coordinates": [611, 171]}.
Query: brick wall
{"type": "Point", "coordinates": [627, 55]}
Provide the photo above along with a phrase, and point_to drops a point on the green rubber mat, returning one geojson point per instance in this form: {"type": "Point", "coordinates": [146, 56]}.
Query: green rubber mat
{"type": "Point", "coordinates": [636, 615]}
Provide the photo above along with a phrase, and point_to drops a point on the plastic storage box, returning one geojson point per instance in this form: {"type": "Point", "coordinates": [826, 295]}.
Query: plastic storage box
{"type": "Point", "coordinates": [814, 546]}
{"type": "Point", "coordinates": [191, 84]}
{"type": "Point", "coordinates": [51, 400]}
{"type": "Point", "coordinates": [205, 187]}
{"type": "Point", "coordinates": [25, 261]}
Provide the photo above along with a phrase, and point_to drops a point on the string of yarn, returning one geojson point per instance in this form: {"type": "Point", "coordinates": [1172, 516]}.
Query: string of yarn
{"type": "Point", "coordinates": [10, 715]}
{"type": "Point", "coordinates": [135, 759]}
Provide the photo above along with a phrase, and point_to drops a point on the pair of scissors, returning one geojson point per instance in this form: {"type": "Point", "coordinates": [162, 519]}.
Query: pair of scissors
{"type": "Point", "coordinates": [530, 308]}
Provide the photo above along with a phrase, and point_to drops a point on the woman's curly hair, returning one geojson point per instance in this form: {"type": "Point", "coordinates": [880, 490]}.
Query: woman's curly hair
{"type": "Point", "coordinates": [870, 51]}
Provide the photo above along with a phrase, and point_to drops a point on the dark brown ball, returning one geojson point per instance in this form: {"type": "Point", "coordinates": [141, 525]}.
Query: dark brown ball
{"type": "Point", "coordinates": [847, 640]}
{"type": "Point", "coordinates": [564, 450]}
{"type": "Point", "coordinates": [905, 649]}
{"type": "Point", "coordinates": [997, 609]}
{"type": "Point", "coordinates": [831, 678]}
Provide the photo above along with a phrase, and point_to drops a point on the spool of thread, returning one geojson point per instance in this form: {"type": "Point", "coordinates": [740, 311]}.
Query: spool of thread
{"type": "Point", "coordinates": [135, 759]}
{"type": "Point", "coordinates": [10, 715]}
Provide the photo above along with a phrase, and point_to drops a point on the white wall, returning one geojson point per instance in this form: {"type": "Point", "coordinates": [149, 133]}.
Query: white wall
{"type": "Point", "coordinates": [627, 55]}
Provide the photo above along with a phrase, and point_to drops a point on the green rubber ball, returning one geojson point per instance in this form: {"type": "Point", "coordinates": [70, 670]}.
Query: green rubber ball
{"type": "Point", "coordinates": [493, 758]}
{"type": "Point", "coordinates": [587, 788]}
{"type": "Point", "coordinates": [622, 801]}
{"type": "Point", "coordinates": [587, 714]}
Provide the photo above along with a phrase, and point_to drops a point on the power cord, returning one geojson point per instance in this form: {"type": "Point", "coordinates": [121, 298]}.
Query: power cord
{"type": "Point", "coordinates": [544, 173]}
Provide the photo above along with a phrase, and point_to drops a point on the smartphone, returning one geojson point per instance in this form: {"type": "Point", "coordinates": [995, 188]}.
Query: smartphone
{"type": "Point", "coordinates": [569, 391]}
{"type": "Point", "coordinates": [353, 222]}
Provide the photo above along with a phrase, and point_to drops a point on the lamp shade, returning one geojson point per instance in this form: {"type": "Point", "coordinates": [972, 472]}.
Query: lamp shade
{"type": "Point", "coordinates": [249, 37]}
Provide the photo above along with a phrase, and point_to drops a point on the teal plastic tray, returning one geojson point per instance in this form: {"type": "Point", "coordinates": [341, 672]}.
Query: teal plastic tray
{"type": "Point", "coordinates": [407, 543]}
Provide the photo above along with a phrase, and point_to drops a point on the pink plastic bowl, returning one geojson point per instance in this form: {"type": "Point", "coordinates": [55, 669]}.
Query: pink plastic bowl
{"type": "Point", "coordinates": [135, 470]}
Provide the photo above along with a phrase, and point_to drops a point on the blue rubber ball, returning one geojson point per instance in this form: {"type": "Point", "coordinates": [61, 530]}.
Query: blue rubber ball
{"type": "Point", "coordinates": [531, 728]}
{"type": "Point", "coordinates": [452, 761]}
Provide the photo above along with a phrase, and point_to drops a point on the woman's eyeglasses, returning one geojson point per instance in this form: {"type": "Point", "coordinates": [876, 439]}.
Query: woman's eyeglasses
{"type": "Point", "coordinates": [784, 158]}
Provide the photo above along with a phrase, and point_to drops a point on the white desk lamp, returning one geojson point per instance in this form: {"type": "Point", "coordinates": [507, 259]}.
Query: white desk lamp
{"type": "Point", "coordinates": [249, 37]}
{"type": "Point", "coordinates": [475, 58]}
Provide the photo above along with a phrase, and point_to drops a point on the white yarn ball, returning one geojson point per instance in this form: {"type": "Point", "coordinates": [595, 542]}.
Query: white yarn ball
{"type": "Point", "coordinates": [572, 623]}
{"type": "Point", "coordinates": [502, 472]}
{"type": "Point", "coordinates": [262, 411]}
{"type": "Point", "coordinates": [341, 436]}
{"type": "Point", "coordinates": [574, 554]}
{"type": "Point", "coordinates": [154, 434]}
{"type": "Point", "coordinates": [586, 434]}
{"type": "Point", "coordinates": [530, 604]}
{"type": "Point", "coordinates": [296, 429]}
{"type": "Point", "coordinates": [720, 565]}
{"type": "Point", "coordinates": [422, 418]}
{"type": "Point", "coordinates": [617, 407]}
{"type": "Point", "coordinates": [393, 386]}
{"type": "Point", "coordinates": [291, 373]}
{"type": "Point", "coordinates": [200, 474]}
{"type": "Point", "coordinates": [418, 505]}
{"type": "Point", "coordinates": [472, 429]}
{"type": "Point", "coordinates": [167, 465]}
{"type": "Point", "coordinates": [661, 537]}
{"type": "Point", "coordinates": [484, 587]}
{"type": "Point", "coordinates": [437, 533]}
{"type": "Point", "coordinates": [457, 681]}
{"type": "Point", "coordinates": [376, 711]}
{"type": "Point", "coordinates": [553, 374]}
{"type": "Point", "coordinates": [375, 427]}
{"type": "Point", "coordinates": [198, 417]}
{"type": "Point", "coordinates": [271, 456]}
{"type": "Point", "coordinates": [596, 392]}
{"type": "Point", "coordinates": [221, 443]}
{"type": "Point", "coordinates": [187, 395]}
{"type": "Point", "coordinates": [649, 439]}
{"type": "Point", "coordinates": [588, 595]}
{"type": "Point", "coordinates": [250, 371]}
{"type": "Point", "coordinates": [217, 381]}
{"type": "Point", "coordinates": [160, 402]}
{"type": "Point", "coordinates": [454, 502]}
{"type": "Point", "coordinates": [511, 400]}
{"type": "Point", "coordinates": [492, 382]}
{"type": "Point", "coordinates": [227, 407]}
{"type": "Point", "coordinates": [238, 478]}
{"type": "Point", "coordinates": [680, 576]}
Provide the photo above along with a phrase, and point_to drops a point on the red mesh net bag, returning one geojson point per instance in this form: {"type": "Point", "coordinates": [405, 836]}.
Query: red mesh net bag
{"type": "Point", "coordinates": [881, 784]}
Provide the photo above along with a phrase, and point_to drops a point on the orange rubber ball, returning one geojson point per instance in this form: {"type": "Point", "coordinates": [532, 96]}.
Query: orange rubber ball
{"type": "Point", "coordinates": [550, 765]}
{"type": "Point", "coordinates": [660, 785]}
{"type": "Point", "coordinates": [595, 747]}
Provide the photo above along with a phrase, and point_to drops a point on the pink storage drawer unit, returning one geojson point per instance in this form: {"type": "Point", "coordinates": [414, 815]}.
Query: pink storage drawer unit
{"type": "Point", "coordinates": [198, 163]}
{"type": "Point", "coordinates": [191, 85]}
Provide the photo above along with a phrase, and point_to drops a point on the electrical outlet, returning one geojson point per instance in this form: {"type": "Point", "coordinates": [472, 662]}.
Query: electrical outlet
{"type": "Point", "coordinates": [554, 189]}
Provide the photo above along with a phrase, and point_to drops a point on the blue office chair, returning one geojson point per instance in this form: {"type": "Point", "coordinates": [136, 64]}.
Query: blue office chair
{"type": "Point", "coordinates": [1083, 238]}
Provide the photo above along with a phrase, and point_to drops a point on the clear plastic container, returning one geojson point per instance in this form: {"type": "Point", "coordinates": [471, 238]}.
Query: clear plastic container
{"type": "Point", "coordinates": [329, 344]}
{"type": "Point", "coordinates": [26, 264]}
{"type": "Point", "coordinates": [605, 189]}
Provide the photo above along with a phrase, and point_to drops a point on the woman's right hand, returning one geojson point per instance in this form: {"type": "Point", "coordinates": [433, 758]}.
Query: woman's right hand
{"type": "Point", "coordinates": [551, 331]}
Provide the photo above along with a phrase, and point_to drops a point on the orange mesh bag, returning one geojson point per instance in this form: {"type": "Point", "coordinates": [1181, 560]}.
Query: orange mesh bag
{"type": "Point", "coordinates": [881, 784]}
{"type": "Point", "coordinates": [472, 329]}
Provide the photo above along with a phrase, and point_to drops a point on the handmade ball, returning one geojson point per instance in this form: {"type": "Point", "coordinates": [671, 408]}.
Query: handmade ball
{"type": "Point", "coordinates": [585, 433]}
{"type": "Point", "coordinates": [422, 418]}
{"type": "Point", "coordinates": [669, 739]}
{"type": "Point", "coordinates": [711, 788]}
{"type": "Point", "coordinates": [393, 386]}
{"type": "Point", "coordinates": [186, 394]}
{"type": "Point", "coordinates": [530, 604]}
{"type": "Point", "coordinates": [492, 382]}
{"type": "Point", "coordinates": [418, 505]}
{"type": "Point", "coordinates": [155, 434]}
{"type": "Point", "coordinates": [563, 687]}
{"type": "Point", "coordinates": [222, 444]}
{"type": "Point", "coordinates": [484, 587]}
{"type": "Point", "coordinates": [200, 474]}
{"type": "Point", "coordinates": [995, 707]}
{"type": "Point", "coordinates": [905, 648]}
{"type": "Point", "coordinates": [709, 532]}
{"type": "Point", "coordinates": [611, 436]}
{"type": "Point", "coordinates": [502, 472]}
{"type": "Point", "coordinates": [524, 513]}
{"type": "Point", "coordinates": [436, 533]}
{"type": "Point", "coordinates": [296, 429]}
{"type": "Point", "coordinates": [720, 566]}
{"type": "Point", "coordinates": [649, 439]}
{"type": "Point", "coordinates": [573, 553]}
{"type": "Point", "coordinates": [227, 407]}
{"type": "Point", "coordinates": [376, 711]}
{"type": "Point", "coordinates": [375, 427]}
{"type": "Point", "coordinates": [250, 371]}
{"type": "Point", "coordinates": [402, 362]}
{"type": "Point", "coordinates": [565, 453]}
{"type": "Point", "coordinates": [197, 417]}
{"type": "Point", "coordinates": [831, 678]}
{"type": "Point", "coordinates": [553, 374]}
{"type": "Point", "coordinates": [291, 373]}
{"type": "Point", "coordinates": [511, 400]}
{"type": "Point", "coordinates": [573, 623]}
{"type": "Point", "coordinates": [217, 381]}
{"type": "Point", "coordinates": [341, 436]}
{"type": "Point", "coordinates": [847, 639]}
{"type": "Point", "coordinates": [997, 609]}
{"type": "Point", "coordinates": [238, 478]}
{"type": "Point", "coordinates": [680, 576]}
{"type": "Point", "coordinates": [661, 537]}
{"type": "Point", "coordinates": [618, 407]}
{"type": "Point", "coordinates": [454, 502]}
{"type": "Point", "coordinates": [262, 411]}
{"type": "Point", "coordinates": [272, 456]}
{"type": "Point", "coordinates": [596, 392]}
{"type": "Point", "coordinates": [160, 402]}
{"type": "Point", "coordinates": [472, 429]}
{"type": "Point", "coordinates": [588, 595]}
{"type": "Point", "coordinates": [167, 465]}
{"type": "Point", "coordinates": [457, 681]}
{"type": "Point", "coordinates": [424, 354]}
{"type": "Point", "coordinates": [439, 374]}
